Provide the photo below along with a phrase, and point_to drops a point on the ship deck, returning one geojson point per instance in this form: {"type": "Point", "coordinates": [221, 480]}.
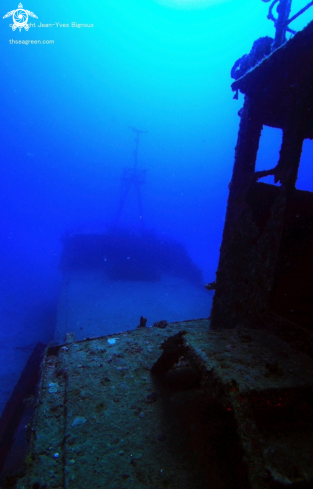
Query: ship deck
{"type": "Point", "coordinates": [208, 409]}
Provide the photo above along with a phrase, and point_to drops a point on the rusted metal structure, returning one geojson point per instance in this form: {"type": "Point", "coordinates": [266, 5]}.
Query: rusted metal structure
{"type": "Point", "coordinates": [224, 405]}
{"type": "Point", "coordinates": [264, 276]}
{"type": "Point", "coordinates": [216, 409]}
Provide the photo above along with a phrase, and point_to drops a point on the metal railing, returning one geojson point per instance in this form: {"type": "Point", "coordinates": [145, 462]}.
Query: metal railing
{"type": "Point", "coordinates": [282, 20]}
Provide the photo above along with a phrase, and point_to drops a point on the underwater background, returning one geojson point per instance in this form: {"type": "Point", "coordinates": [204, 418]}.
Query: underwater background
{"type": "Point", "coordinates": [66, 111]}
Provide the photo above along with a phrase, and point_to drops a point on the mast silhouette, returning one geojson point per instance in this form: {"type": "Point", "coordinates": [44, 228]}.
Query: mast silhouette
{"type": "Point", "coordinates": [132, 177]}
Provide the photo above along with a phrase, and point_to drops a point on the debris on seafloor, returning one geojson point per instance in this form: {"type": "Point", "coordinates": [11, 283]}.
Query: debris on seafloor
{"type": "Point", "coordinates": [142, 322]}
{"type": "Point", "coordinates": [160, 324]}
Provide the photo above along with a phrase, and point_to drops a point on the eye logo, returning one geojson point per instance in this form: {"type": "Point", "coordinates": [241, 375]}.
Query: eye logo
{"type": "Point", "coordinates": [20, 18]}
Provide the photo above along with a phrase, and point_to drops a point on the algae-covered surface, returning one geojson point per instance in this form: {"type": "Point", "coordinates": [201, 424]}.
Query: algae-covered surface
{"type": "Point", "coordinates": [268, 386]}
{"type": "Point", "coordinates": [101, 420]}
{"type": "Point", "coordinates": [217, 410]}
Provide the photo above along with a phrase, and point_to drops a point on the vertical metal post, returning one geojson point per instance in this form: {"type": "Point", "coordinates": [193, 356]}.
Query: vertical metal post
{"type": "Point", "coordinates": [283, 11]}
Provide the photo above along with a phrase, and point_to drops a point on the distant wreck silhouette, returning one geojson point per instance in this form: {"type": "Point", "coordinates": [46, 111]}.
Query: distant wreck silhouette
{"type": "Point", "coordinates": [125, 256]}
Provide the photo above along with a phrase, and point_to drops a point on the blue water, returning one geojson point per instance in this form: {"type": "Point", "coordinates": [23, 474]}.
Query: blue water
{"type": "Point", "coordinates": [162, 66]}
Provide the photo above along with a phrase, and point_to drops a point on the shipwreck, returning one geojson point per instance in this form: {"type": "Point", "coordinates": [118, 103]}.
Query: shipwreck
{"type": "Point", "coordinates": [220, 402]}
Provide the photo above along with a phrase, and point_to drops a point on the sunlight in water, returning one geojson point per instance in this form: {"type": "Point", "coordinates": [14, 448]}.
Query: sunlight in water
{"type": "Point", "coordinates": [190, 4]}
